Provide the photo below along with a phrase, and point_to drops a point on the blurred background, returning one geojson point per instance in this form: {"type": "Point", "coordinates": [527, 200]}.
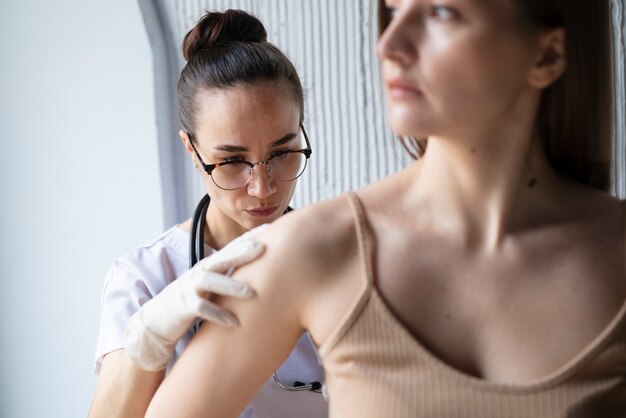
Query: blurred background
{"type": "Point", "coordinates": [91, 166]}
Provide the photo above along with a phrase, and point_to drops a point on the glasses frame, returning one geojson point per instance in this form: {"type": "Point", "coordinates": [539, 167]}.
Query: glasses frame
{"type": "Point", "coordinates": [208, 168]}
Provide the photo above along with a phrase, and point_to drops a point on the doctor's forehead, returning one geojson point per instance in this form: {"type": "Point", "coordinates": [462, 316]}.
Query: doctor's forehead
{"type": "Point", "coordinates": [250, 99]}
{"type": "Point", "coordinates": [247, 129]}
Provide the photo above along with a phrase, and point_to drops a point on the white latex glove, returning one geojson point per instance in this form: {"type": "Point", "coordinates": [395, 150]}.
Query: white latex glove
{"type": "Point", "coordinates": [152, 332]}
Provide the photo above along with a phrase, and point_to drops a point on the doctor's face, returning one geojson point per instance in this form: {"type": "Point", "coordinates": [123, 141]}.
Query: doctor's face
{"type": "Point", "coordinates": [250, 123]}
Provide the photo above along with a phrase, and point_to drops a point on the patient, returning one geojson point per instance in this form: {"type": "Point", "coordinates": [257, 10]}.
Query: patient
{"type": "Point", "coordinates": [488, 278]}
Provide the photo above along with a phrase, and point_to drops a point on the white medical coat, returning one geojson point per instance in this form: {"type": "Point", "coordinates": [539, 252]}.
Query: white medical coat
{"type": "Point", "coordinates": [136, 277]}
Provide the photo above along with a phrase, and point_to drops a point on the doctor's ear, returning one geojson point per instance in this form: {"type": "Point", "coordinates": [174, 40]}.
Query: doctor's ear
{"type": "Point", "coordinates": [551, 60]}
{"type": "Point", "coordinates": [184, 137]}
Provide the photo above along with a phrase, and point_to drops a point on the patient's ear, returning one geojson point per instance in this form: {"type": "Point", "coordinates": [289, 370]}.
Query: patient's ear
{"type": "Point", "coordinates": [551, 60]}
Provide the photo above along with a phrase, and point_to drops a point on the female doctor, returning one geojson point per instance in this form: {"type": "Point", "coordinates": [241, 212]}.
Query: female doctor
{"type": "Point", "coordinates": [241, 110]}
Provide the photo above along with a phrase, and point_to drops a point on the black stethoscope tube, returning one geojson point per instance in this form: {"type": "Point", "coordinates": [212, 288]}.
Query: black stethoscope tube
{"type": "Point", "coordinates": [196, 239]}
{"type": "Point", "coordinates": [196, 252]}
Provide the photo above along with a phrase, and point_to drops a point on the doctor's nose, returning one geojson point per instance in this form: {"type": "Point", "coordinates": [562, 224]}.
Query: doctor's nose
{"type": "Point", "coordinates": [261, 184]}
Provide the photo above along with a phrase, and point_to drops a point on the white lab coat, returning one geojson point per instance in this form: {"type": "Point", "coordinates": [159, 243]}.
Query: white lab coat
{"type": "Point", "coordinates": [137, 276]}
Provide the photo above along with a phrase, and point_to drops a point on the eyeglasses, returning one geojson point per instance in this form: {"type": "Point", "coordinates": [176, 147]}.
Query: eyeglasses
{"type": "Point", "coordinates": [283, 165]}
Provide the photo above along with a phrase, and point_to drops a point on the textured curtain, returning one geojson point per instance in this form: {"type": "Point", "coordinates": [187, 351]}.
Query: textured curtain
{"type": "Point", "coordinates": [332, 44]}
{"type": "Point", "coordinates": [618, 8]}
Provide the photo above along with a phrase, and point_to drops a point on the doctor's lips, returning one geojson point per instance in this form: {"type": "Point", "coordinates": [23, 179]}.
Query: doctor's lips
{"type": "Point", "coordinates": [261, 212]}
{"type": "Point", "coordinates": [399, 89]}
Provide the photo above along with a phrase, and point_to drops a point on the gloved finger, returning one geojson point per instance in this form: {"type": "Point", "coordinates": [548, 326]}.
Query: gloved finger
{"type": "Point", "coordinates": [213, 313]}
{"type": "Point", "coordinates": [222, 285]}
{"type": "Point", "coordinates": [234, 256]}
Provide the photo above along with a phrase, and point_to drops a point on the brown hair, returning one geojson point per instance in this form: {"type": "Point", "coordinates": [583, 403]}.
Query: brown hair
{"type": "Point", "coordinates": [574, 116]}
{"type": "Point", "coordinates": [230, 49]}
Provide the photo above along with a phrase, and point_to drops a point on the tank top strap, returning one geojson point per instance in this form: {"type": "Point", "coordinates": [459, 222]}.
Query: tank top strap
{"type": "Point", "coordinates": [364, 238]}
{"type": "Point", "coordinates": [365, 246]}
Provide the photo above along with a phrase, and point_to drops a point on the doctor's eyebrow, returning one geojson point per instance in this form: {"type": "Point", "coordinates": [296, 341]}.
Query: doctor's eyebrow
{"type": "Point", "coordinates": [237, 148]}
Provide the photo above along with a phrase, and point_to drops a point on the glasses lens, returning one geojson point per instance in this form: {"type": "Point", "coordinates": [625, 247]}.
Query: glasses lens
{"type": "Point", "coordinates": [288, 166]}
{"type": "Point", "coordinates": [231, 176]}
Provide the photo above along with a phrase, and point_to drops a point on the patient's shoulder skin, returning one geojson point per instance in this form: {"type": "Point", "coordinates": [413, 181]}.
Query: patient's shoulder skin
{"type": "Point", "coordinates": [310, 265]}
{"type": "Point", "coordinates": [304, 280]}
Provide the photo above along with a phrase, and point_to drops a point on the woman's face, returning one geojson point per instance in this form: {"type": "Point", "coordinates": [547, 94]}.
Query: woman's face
{"type": "Point", "coordinates": [251, 123]}
{"type": "Point", "coordinates": [453, 67]}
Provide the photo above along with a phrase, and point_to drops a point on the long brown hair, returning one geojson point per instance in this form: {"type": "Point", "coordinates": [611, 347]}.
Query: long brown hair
{"type": "Point", "coordinates": [575, 114]}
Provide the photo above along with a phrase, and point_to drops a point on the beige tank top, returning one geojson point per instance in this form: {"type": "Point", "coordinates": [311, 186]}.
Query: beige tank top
{"type": "Point", "coordinates": [376, 368]}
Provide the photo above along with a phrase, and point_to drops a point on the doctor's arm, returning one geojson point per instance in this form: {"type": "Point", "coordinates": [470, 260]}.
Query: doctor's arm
{"type": "Point", "coordinates": [123, 388]}
{"type": "Point", "coordinates": [130, 376]}
{"type": "Point", "coordinates": [223, 368]}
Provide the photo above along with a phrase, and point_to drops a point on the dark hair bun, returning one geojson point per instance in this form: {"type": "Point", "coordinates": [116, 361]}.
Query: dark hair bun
{"type": "Point", "coordinates": [218, 28]}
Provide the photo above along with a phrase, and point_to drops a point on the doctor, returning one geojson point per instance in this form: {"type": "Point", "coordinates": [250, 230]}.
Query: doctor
{"type": "Point", "coordinates": [241, 110]}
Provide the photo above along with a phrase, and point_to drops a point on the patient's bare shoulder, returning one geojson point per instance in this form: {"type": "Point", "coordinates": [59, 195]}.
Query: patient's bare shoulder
{"type": "Point", "coordinates": [320, 230]}
{"type": "Point", "coordinates": [313, 242]}
{"type": "Point", "coordinates": [307, 255]}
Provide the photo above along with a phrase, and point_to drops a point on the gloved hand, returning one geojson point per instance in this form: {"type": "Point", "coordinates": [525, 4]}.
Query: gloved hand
{"type": "Point", "coordinates": [152, 332]}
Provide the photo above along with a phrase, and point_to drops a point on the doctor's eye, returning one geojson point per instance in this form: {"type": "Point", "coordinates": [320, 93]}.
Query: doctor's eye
{"type": "Point", "coordinates": [443, 13]}
{"type": "Point", "coordinates": [280, 152]}
{"type": "Point", "coordinates": [231, 159]}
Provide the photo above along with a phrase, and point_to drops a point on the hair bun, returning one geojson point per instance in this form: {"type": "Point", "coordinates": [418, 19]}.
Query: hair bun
{"type": "Point", "coordinates": [218, 28]}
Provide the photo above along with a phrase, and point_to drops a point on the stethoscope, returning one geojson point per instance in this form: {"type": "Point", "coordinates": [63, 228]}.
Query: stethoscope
{"type": "Point", "coordinates": [196, 252]}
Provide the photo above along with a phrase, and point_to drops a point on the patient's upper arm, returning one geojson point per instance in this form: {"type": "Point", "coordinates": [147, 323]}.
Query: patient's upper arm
{"type": "Point", "coordinates": [222, 368]}
{"type": "Point", "coordinates": [309, 263]}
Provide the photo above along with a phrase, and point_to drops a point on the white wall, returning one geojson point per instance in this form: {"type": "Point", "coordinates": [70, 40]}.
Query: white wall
{"type": "Point", "coordinates": [79, 185]}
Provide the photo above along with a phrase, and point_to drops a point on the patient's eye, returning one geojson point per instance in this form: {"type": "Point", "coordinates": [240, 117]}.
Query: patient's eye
{"type": "Point", "coordinates": [390, 9]}
{"type": "Point", "coordinates": [443, 13]}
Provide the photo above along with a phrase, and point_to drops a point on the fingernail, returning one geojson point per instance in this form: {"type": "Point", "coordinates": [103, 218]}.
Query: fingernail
{"type": "Point", "coordinates": [246, 291]}
{"type": "Point", "coordinates": [229, 320]}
